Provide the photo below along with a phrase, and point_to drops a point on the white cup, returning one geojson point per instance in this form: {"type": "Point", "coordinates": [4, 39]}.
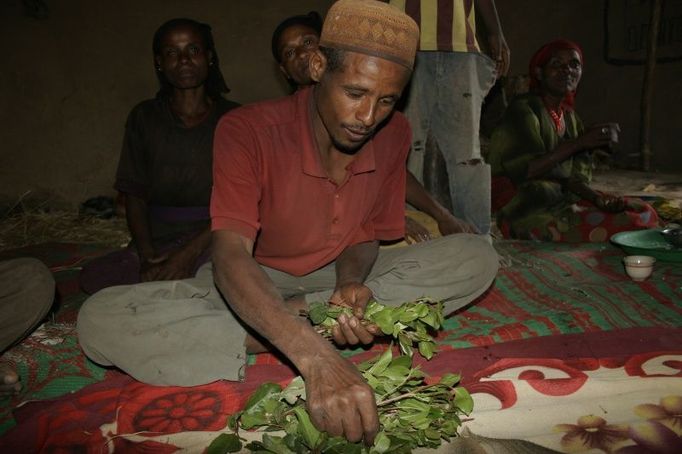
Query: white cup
{"type": "Point", "coordinates": [639, 267]}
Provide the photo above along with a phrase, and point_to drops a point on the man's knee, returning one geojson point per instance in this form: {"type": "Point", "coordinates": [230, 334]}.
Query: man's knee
{"type": "Point", "coordinates": [92, 324]}
{"type": "Point", "coordinates": [475, 264]}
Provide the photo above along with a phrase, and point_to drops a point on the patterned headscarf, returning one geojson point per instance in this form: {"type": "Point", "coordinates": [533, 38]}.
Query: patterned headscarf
{"type": "Point", "coordinates": [540, 59]}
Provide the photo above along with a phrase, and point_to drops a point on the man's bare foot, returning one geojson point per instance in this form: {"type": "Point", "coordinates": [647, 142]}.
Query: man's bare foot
{"type": "Point", "coordinates": [9, 380]}
{"type": "Point", "coordinates": [296, 305]}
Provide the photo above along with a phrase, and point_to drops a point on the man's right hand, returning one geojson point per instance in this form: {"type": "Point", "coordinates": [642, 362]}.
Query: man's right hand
{"type": "Point", "coordinates": [340, 401]}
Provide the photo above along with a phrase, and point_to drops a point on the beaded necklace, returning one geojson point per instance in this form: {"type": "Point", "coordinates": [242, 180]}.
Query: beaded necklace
{"type": "Point", "coordinates": [558, 120]}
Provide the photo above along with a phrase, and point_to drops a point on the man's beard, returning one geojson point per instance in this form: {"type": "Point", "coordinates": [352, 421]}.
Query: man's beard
{"type": "Point", "coordinates": [350, 150]}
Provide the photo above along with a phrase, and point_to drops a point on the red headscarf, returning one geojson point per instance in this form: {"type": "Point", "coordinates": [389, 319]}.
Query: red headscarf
{"type": "Point", "coordinates": [540, 59]}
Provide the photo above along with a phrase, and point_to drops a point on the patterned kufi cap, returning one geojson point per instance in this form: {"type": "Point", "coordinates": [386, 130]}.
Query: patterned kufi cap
{"type": "Point", "coordinates": [371, 27]}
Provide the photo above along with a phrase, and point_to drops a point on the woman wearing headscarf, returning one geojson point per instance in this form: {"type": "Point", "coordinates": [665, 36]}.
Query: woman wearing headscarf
{"type": "Point", "coordinates": [165, 167]}
{"type": "Point", "coordinates": [542, 159]}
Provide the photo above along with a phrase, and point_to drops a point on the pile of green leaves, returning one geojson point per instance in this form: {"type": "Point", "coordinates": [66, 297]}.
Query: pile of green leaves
{"type": "Point", "coordinates": [410, 323]}
{"type": "Point", "coordinates": [412, 414]}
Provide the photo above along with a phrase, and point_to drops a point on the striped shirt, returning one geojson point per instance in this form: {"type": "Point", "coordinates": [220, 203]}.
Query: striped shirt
{"type": "Point", "coordinates": [445, 25]}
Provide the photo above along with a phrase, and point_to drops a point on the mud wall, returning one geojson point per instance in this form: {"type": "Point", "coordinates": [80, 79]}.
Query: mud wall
{"type": "Point", "coordinates": [68, 81]}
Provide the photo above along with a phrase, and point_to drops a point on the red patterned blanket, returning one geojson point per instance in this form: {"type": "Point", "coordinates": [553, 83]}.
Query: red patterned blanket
{"type": "Point", "coordinates": [556, 312]}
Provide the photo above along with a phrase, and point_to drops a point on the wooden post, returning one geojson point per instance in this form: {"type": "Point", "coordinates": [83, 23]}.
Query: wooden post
{"type": "Point", "coordinates": [648, 86]}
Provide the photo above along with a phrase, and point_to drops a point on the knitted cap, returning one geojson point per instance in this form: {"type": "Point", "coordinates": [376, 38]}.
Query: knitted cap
{"type": "Point", "coordinates": [373, 28]}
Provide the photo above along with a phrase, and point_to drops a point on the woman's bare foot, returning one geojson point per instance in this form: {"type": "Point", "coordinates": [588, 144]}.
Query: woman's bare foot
{"type": "Point", "coordinates": [9, 380]}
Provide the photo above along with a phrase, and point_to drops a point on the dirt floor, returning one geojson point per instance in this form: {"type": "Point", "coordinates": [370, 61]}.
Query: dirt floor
{"type": "Point", "coordinates": [635, 183]}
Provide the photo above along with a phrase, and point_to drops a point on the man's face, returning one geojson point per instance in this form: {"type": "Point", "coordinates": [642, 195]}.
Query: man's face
{"type": "Point", "coordinates": [562, 72]}
{"type": "Point", "coordinates": [353, 101]}
{"type": "Point", "coordinates": [183, 58]}
{"type": "Point", "coordinates": [295, 46]}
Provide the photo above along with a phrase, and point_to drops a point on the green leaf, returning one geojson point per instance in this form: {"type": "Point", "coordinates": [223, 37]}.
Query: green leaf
{"type": "Point", "coordinates": [338, 445]}
{"type": "Point", "coordinates": [402, 361]}
{"type": "Point", "coordinates": [264, 391]}
{"type": "Point", "coordinates": [395, 373]}
{"type": "Point", "coordinates": [372, 308]}
{"type": "Point", "coordinates": [382, 443]}
{"type": "Point", "coordinates": [233, 421]}
{"type": "Point", "coordinates": [381, 364]}
{"type": "Point", "coordinates": [463, 400]}
{"type": "Point", "coordinates": [294, 391]}
{"type": "Point", "coordinates": [431, 319]}
{"type": "Point", "coordinates": [414, 404]}
{"type": "Point", "coordinates": [384, 320]}
{"type": "Point", "coordinates": [276, 445]}
{"type": "Point", "coordinates": [251, 420]}
{"type": "Point", "coordinates": [311, 435]}
{"type": "Point", "coordinates": [408, 315]}
{"type": "Point", "coordinates": [449, 427]}
{"type": "Point", "coordinates": [449, 380]}
{"type": "Point", "coordinates": [426, 349]}
{"type": "Point", "coordinates": [224, 443]}
{"type": "Point", "coordinates": [317, 312]}
{"type": "Point", "coordinates": [405, 344]}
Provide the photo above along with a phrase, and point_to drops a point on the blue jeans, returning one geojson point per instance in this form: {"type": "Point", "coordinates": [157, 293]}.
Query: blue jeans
{"type": "Point", "coordinates": [445, 99]}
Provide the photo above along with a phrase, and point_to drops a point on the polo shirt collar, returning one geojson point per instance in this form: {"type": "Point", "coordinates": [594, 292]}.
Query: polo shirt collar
{"type": "Point", "coordinates": [311, 164]}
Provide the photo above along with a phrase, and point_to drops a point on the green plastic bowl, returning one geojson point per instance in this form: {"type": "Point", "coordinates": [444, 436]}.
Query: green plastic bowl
{"type": "Point", "coordinates": [647, 242]}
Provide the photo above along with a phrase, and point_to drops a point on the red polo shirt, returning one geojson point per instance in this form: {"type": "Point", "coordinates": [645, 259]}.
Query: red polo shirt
{"type": "Point", "coordinates": [269, 185]}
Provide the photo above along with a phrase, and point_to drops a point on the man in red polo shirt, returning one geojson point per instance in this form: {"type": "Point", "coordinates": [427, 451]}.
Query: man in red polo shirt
{"type": "Point", "coordinates": [304, 188]}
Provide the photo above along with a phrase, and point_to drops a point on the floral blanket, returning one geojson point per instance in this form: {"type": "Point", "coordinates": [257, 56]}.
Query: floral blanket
{"type": "Point", "coordinates": [619, 391]}
{"type": "Point", "coordinates": [564, 351]}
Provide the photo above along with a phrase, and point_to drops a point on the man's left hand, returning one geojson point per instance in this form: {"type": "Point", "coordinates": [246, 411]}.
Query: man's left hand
{"type": "Point", "coordinates": [499, 51]}
{"type": "Point", "coordinates": [350, 330]}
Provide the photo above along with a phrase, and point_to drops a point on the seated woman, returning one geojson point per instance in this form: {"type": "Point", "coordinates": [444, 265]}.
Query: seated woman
{"type": "Point", "coordinates": [293, 41]}
{"type": "Point", "coordinates": [542, 160]}
{"type": "Point", "coordinates": [165, 168]}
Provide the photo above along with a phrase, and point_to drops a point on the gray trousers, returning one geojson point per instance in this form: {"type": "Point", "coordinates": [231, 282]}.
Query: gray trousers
{"type": "Point", "coordinates": [26, 295]}
{"type": "Point", "coordinates": [182, 333]}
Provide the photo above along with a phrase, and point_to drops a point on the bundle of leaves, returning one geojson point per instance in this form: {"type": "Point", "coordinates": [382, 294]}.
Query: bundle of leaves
{"type": "Point", "coordinates": [410, 323]}
{"type": "Point", "coordinates": [412, 414]}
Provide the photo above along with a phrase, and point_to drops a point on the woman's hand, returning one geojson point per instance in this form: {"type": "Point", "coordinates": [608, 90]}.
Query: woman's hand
{"type": "Point", "coordinates": [415, 232]}
{"type": "Point", "coordinates": [599, 136]}
{"type": "Point", "coordinates": [610, 203]}
{"type": "Point", "coordinates": [450, 224]}
{"type": "Point", "coordinates": [177, 265]}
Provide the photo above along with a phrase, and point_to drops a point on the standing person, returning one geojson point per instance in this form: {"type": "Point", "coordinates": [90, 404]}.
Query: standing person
{"type": "Point", "coordinates": [542, 160]}
{"type": "Point", "coordinates": [165, 164]}
{"type": "Point", "coordinates": [294, 40]}
{"type": "Point", "coordinates": [318, 178]}
{"type": "Point", "coordinates": [26, 295]}
{"type": "Point", "coordinates": [451, 79]}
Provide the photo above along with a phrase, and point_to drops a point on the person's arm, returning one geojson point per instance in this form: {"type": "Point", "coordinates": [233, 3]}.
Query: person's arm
{"type": "Point", "coordinates": [602, 135]}
{"type": "Point", "coordinates": [417, 196]}
{"type": "Point", "coordinates": [339, 400]}
{"type": "Point", "coordinates": [499, 49]}
{"type": "Point", "coordinates": [606, 202]}
{"type": "Point", "coordinates": [180, 263]}
{"type": "Point", "coordinates": [137, 217]}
